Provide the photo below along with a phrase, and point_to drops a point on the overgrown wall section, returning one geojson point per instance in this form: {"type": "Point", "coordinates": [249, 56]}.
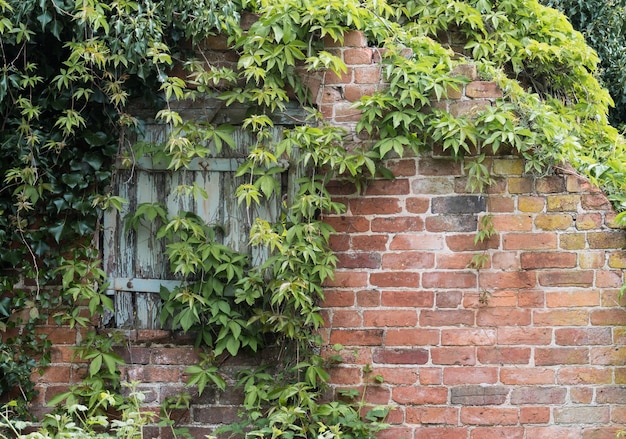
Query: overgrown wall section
{"type": "Point", "coordinates": [529, 346]}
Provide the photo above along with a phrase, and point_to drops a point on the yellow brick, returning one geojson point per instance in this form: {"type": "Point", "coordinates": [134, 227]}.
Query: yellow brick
{"type": "Point", "coordinates": [554, 222]}
{"type": "Point", "coordinates": [617, 260]}
{"type": "Point", "coordinates": [572, 241]}
{"type": "Point", "coordinates": [531, 204]}
{"type": "Point", "coordinates": [563, 203]}
{"type": "Point", "coordinates": [508, 166]}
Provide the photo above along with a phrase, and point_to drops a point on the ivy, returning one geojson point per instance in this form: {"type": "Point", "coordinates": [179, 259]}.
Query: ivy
{"type": "Point", "coordinates": [74, 75]}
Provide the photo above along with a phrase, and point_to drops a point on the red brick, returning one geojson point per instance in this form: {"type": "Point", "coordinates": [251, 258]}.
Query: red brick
{"type": "Point", "coordinates": [529, 241]}
{"type": "Point", "coordinates": [348, 224]}
{"type": "Point", "coordinates": [531, 299]}
{"type": "Point", "coordinates": [367, 75]}
{"type": "Point", "coordinates": [336, 298]}
{"type": "Point", "coordinates": [497, 433]}
{"type": "Point", "coordinates": [439, 167]}
{"type": "Point", "coordinates": [441, 433]}
{"type": "Point", "coordinates": [446, 317]}
{"type": "Point", "coordinates": [500, 204]}
{"type": "Point", "coordinates": [58, 335]}
{"type": "Point", "coordinates": [560, 318]}
{"type": "Point", "coordinates": [389, 318]}
{"type": "Point", "coordinates": [547, 395]}
{"type": "Point", "coordinates": [515, 279]}
{"type": "Point", "coordinates": [430, 376]}
{"type": "Point", "coordinates": [618, 415]}
{"type": "Point", "coordinates": [432, 415]}
{"type": "Point", "coordinates": [454, 260]}
{"type": "Point", "coordinates": [581, 395]}
{"type": "Point", "coordinates": [565, 299]}
{"type": "Point", "coordinates": [459, 243]}
{"type": "Point", "coordinates": [578, 278]}
{"type": "Point", "coordinates": [524, 336]}
{"type": "Point", "coordinates": [503, 355]}
{"type": "Point", "coordinates": [489, 415]}
{"type": "Point", "coordinates": [408, 260]}
{"type": "Point", "coordinates": [397, 186]}
{"type": "Point", "coordinates": [375, 206]}
{"type": "Point", "coordinates": [608, 356]}
{"type": "Point", "coordinates": [533, 260]}
{"type": "Point", "coordinates": [610, 394]}
{"type": "Point", "coordinates": [417, 204]}
{"type": "Point", "coordinates": [368, 298]}
{"type": "Point", "coordinates": [397, 224]}
{"type": "Point", "coordinates": [613, 317]}
{"type": "Point", "coordinates": [449, 279]}
{"type": "Point", "coordinates": [345, 279]}
{"type": "Point", "coordinates": [175, 355]}
{"type": "Point", "coordinates": [416, 242]}
{"type": "Point", "coordinates": [581, 415]}
{"type": "Point", "coordinates": [369, 242]}
{"type": "Point", "coordinates": [595, 202]}
{"type": "Point", "coordinates": [358, 260]}
{"type": "Point", "coordinates": [415, 299]}
{"type": "Point", "coordinates": [389, 279]}
{"type": "Point", "coordinates": [363, 337]}
{"type": "Point", "coordinates": [582, 336]}
{"type": "Point", "coordinates": [458, 356]}
{"type": "Point", "coordinates": [496, 316]}
{"type": "Point", "coordinates": [420, 395]}
{"type": "Point", "coordinates": [339, 243]}
{"type": "Point", "coordinates": [153, 374]}
{"type": "Point", "coordinates": [470, 375]}
{"type": "Point", "coordinates": [483, 89]}
{"type": "Point", "coordinates": [531, 375]}
{"type": "Point", "coordinates": [411, 337]}
{"type": "Point", "coordinates": [534, 415]}
{"type": "Point", "coordinates": [53, 374]}
{"type": "Point", "coordinates": [468, 337]}
{"type": "Point", "coordinates": [602, 432]}
{"type": "Point", "coordinates": [609, 279]}
{"type": "Point", "coordinates": [354, 38]}
{"type": "Point", "coordinates": [412, 356]}
{"type": "Point", "coordinates": [449, 299]}
{"type": "Point", "coordinates": [397, 375]}
{"type": "Point", "coordinates": [331, 78]}
{"type": "Point", "coordinates": [584, 375]}
{"type": "Point", "coordinates": [506, 261]}
{"type": "Point", "coordinates": [346, 318]}
{"type": "Point", "coordinates": [552, 432]}
{"type": "Point", "coordinates": [354, 92]}
{"type": "Point", "coordinates": [507, 223]}
{"type": "Point", "coordinates": [556, 356]}
{"type": "Point", "coordinates": [591, 259]}
{"type": "Point", "coordinates": [345, 375]}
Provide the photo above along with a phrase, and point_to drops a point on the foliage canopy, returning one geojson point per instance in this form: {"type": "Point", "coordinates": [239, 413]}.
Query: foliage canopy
{"type": "Point", "coordinates": [72, 70]}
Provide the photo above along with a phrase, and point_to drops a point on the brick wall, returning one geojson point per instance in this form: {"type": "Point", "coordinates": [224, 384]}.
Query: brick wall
{"type": "Point", "coordinates": [532, 346]}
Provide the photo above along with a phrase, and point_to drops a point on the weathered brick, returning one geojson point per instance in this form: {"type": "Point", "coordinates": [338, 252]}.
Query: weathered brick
{"type": "Point", "coordinates": [505, 261]}
{"type": "Point", "coordinates": [552, 432]}
{"type": "Point", "coordinates": [400, 356]}
{"type": "Point", "coordinates": [503, 355]}
{"type": "Point", "coordinates": [358, 337]}
{"type": "Point", "coordinates": [414, 298]}
{"type": "Point", "coordinates": [479, 395]}
{"type": "Point", "coordinates": [508, 166]}
{"type": "Point", "coordinates": [411, 337]}
{"type": "Point", "coordinates": [468, 71]}
{"type": "Point", "coordinates": [534, 415]}
{"type": "Point", "coordinates": [361, 55]}
{"type": "Point", "coordinates": [584, 375]}
{"type": "Point", "coordinates": [375, 206]}
{"type": "Point", "coordinates": [564, 299]}
{"type": "Point", "coordinates": [367, 75]}
{"type": "Point", "coordinates": [520, 185]}
{"type": "Point", "coordinates": [407, 261]}
{"type": "Point", "coordinates": [519, 279]}
{"type": "Point", "coordinates": [550, 185]}
{"type": "Point", "coordinates": [432, 415]}
{"type": "Point", "coordinates": [563, 203]}
{"type": "Point", "coordinates": [609, 278]}
{"type": "Point", "coordinates": [385, 318]}
{"type": "Point", "coordinates": [453, 376]}
{"type": "Point", "coordinates": [459, 204]}
{"type": "Point", "coordinates": [390, 279]}
{"type": "Point", "coordinates": [588, 221]}
{"type": "Point", "coordinates": [531, 204]}
{"type": "Point", "coordinates": [559, 221]}
{"type": "Point", "coordinates": [538, 395]}
{"type": "Point", "coordinates": [452, 223]}
{"type": "Point", "coordinates": [612, 240]}
{"type": "Point", "coordinates": [419, 395]}
{"type": "Point", "coordinates": [602, 432]}
{"type": "Point", "coordinates": [560, 318]}
{"type": "Point", "coordinates": [529, 241]}
{"type": "Point", "coordinates": [359, 260]}
{"type": "Point", "coordinates": [417, 204]}
{"type": "Point", "coordinates": [483, 89]}
{"type": "Point", "coordinates": [489, 415]}
{"type": "Point", "coordinates": [524, 336]}
{"type": "Point", "coordinates": [555, 356]}
{"type": "Point", "coordinates": [591, 259]}
{"type": "Point", "coordinates": [533, 260]}
{"type": "Point", "coordinates": [416, 242]}
{"type": "Point", "coordinates": [582, 336]}
{"type": "Point", "coordinates": [429, 166]}
{"type": "Point", "coordinates": [495, 316]}
{"type": "Point", "coordinates": [578, 278]}
{"type": "Point", "coordinates": [468, 108]}
{"type": "Point", "coordinates": [449, 279]}
{"type": "Point", "coordinates": [595, 202]}
{"type": "Point", "coordinates": [433, 185]}
{"type": "Point", "coordinates": [528, 376]}
{"type": "Point", "coordinates": [608, 356]}
{"type": "Point", "coordinates": [581, 415]}
{"type": "Point", "coordinates": [457, 356]}
{"type": "Point", "coordinates": [396, 224]}
{"type": "Point", "coordinates": [446, 317]}
{"type": "Point", "coordinates": [497, 204]}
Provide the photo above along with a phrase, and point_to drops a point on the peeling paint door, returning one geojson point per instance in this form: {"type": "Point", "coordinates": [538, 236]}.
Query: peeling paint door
{"type": "Point", "coordinates": [135, 260]}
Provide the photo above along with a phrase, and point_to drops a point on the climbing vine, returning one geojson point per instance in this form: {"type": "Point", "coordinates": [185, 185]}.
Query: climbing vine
{"type": "Point", "coordinates": [74, 73]}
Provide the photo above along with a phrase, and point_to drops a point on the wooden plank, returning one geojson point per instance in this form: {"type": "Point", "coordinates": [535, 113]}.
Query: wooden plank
{"type": "Point", "coordinates": [134, 284]}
